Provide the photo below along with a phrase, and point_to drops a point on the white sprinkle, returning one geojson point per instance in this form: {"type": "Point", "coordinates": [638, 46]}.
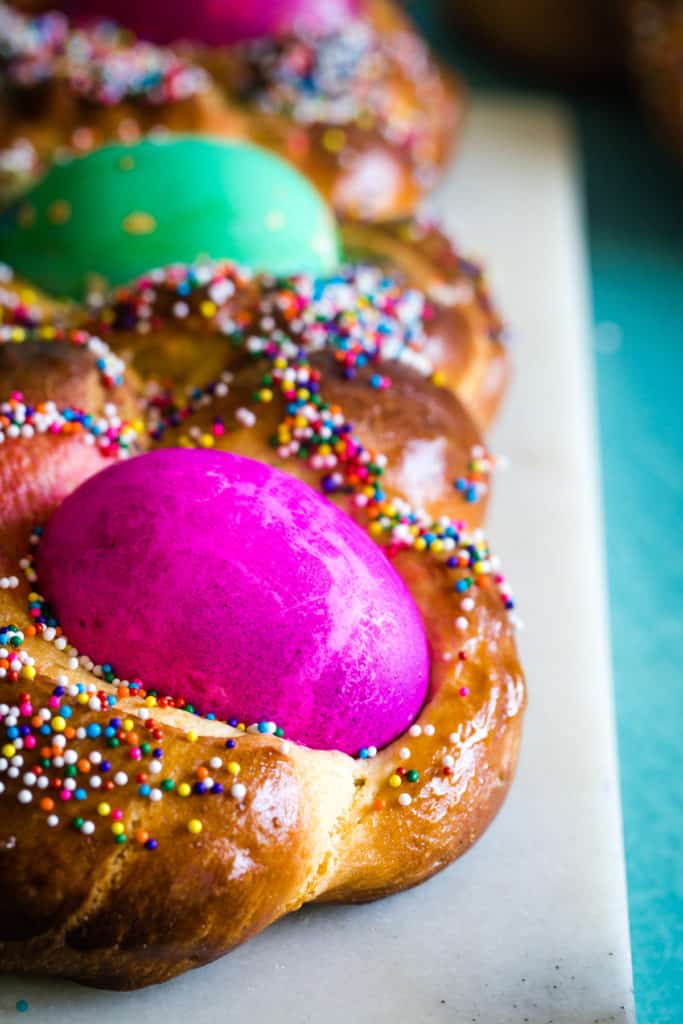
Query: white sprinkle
{"type": "Point", "coordinates": [52, 820]}
{"type": "Point", "coordinates": [216, 762]}
{"type": "Point", "coordinates": [246, 417]}
{"type": "Point", "coordinates": [448, 761]}
{"type": "Point", "coordinates": [467, 604]}
{"type": "Point", "coordinates": [24, 796]}
{"type": "Point", "coordinates": [120, 778]}
{"type": "Point", "coordinates": [404, 753]}
{"type": "Point", "coordinates": [429, 730]}
{"type": "Point", "coordinates": [415, 730]}
{"type": "Point", "coordinates": [461, 623]}
{"type": "Point", "coordinates": [238, 791]}
{"type": "Point", "coordinates": [154, 767]}
{"type": "Point", "coordinates": [87, 828]}
{"type": "Point", "coordinates": [405, 799]}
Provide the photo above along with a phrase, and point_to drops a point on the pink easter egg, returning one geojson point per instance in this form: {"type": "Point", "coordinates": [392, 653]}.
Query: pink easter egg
{"type": "Point", "coordinates": [217, 22]}
{"type": "Point", "coordinates": [221, 580]}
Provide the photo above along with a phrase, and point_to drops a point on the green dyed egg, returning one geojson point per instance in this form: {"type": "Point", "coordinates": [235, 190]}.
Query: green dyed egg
{"type": "Point", "coordinates": [123, 210]}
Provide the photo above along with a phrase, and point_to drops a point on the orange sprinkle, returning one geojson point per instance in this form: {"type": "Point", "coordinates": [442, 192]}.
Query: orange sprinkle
{"type": "Point", "coordinates": [47, 804]}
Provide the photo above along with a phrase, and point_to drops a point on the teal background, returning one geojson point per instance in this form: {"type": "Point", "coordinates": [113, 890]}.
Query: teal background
{"type": "Point", "coordinates": [634, 222]}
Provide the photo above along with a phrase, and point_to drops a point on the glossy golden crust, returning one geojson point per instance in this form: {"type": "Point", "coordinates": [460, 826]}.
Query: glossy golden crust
{"type": "Point", "coordinates": [307, 825]}
{"type": "Point", "coordinates": [369, 164]}
{"type": "Point", "coordinates": [36, 476]}
{"type": "Point", "coordinates": [359, 163]}
{"type": "Point", "coordinates": [461, 334]}
{"type": "Point", "coordinates": [465, 332]}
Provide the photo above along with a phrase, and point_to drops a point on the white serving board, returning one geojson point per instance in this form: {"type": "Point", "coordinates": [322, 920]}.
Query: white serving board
{"type": "Point", "coordinates": [531, 925]}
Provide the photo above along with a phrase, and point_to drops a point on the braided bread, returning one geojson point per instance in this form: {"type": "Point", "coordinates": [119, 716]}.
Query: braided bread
{"type": "Point", "coordinates": [370, 120]}
{"type": "Point", "coordinates": [139, 838]}
{"type": "Point", "coordinates": [427, 291]}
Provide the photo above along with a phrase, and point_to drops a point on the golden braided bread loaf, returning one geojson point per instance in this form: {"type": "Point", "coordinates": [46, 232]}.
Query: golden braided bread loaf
{"type": "Point", "coordinates": [137, 838]}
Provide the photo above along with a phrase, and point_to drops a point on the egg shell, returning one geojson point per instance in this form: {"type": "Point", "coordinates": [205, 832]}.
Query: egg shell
{"type": "Point", "coordinates": [238, 587]}
{"type": "Point", "coordinates": [216, 22]}
{"type": "Point", "coordinates": [120, 211]}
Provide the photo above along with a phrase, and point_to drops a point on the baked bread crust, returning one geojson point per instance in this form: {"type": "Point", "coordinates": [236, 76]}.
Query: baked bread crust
{"type": "Point", "coordinates": [301, 825]}
{"type": "Point", "coordinates": [465, 334]}
{"type": "Point", "coordinates": [372, 140]}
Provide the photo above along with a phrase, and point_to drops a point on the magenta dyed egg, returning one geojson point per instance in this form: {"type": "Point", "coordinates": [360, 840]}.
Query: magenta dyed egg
{"type": "Point", "coordinates": [221, 580]}
{"type": "Point", "coordinates": [217, 22]}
